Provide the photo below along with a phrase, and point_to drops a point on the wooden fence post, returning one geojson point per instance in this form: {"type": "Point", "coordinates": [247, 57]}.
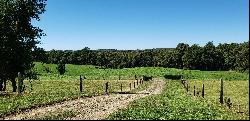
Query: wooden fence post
{"type": "Point", "coordinates": [130, 86]}
{"type": "Point", "coordinates": [187, 87]}
{"type": "Point", "coordinates": [194, 90]}
{"type": "Point", "coordinates": [221, 91]}
{"type": "Point", "coordinates": [107, 84]}
{"type": "Point", "coordinates": [203, 89]}
{"type": "Point", "coordinates": [134, 84]}
{"type": "Point", "coordinates": [80, 83]}
{"type": "Point", "coordinates": [137, 82]}
{"type": "Point", "coordinates": [30, 81]}
{"type": "Point", "coordinates": [121, 87]}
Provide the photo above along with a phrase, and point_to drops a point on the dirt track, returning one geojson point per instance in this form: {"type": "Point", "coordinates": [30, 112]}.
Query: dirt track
{"type": "Point", "coordinates": [94, 108]}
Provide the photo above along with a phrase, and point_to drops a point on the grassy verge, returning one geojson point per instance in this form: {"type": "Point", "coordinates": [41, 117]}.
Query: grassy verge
{"type": "Point", "coordinates": [172, 104]}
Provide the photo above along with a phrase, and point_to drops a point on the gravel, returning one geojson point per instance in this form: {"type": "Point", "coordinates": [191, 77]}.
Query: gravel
{"type": "Point", "coordinates": [92, 108]}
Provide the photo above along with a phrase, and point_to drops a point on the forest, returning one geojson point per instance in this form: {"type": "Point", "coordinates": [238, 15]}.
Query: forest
{"type": "Point", "coordinates": [232, 56]}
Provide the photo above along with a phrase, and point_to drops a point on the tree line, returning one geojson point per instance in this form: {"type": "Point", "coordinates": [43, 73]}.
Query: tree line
{"type": "Point", "coordinates": [233, 56]}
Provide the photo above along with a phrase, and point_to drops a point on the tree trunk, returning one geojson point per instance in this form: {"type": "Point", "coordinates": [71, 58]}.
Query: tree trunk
{"type": "Point", "coordinates": [1, 85]}
{"type": "Point", "coordinates": [13, 81]}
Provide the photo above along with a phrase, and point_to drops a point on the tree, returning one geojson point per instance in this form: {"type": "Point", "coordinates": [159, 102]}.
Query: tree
{"type": "Point", "coordinates": [39, 55]}
{"type": "Point", "coordinates": [178, 53]}
{"type": "Point", "coordinates": [18, 36]}
{"type": "Point", "coordinates": [211, 59]}
{"type": "Point", "coordinates": [61, 68]}
{"type": "Point", "coordinates": [192, 57]}
{"type": "Point", "coordinates": [242, 59]}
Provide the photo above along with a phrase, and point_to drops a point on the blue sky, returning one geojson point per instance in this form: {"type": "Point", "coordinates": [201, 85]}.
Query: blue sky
{"type": "Point", "coordinates": [141, 24]}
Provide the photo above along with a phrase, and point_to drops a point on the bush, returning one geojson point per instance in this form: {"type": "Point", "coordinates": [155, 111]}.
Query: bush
{"type": "Point", "coordinates": [61, 68]}
{"type": "Point", "coordinates": [174, 77]}
{"type": "Point", "coordinates": [147, 78]}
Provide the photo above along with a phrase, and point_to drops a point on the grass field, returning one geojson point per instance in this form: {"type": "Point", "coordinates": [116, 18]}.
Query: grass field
{"type": "Point", "coordinates": [90, 72]}
{"type": "Point", "coordinates": [52, 88]}
{"type": "Point", "coordinates": [237, 91]}
{"type": "Point", "coordinates": [174, 103]}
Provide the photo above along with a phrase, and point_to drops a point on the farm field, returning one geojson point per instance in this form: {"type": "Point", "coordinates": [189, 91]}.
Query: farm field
{"type": "Point", "coordinates": [237, 91]}
{"type": "Point", "coordinates": [52, 87]}
{"type": "Point", "coordinates": [93, 72]}
{"type": "Point", "coordinates": [174, 104]}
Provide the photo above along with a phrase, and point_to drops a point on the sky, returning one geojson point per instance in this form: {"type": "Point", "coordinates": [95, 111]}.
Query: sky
{"type": "Point", "coordinates": [142, 24]}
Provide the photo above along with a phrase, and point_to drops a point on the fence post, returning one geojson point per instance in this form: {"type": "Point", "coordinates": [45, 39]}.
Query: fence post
{"type": "Point", "coordinates": [187, 87]}
{"type": "Point", "coordinates": [121, 87]}
{"type": "Point", "coordinates": [203, 89]}
{"type": "Point", "coordinates": [137, 82]}
{"type": "Point", "coordinates": [20, 83]}
{"type": "Point", "coordinates": [130, 86]}
{"type": "Point", "coordinates": [80, 83]}
{"type": "Point", "coordinates": [134, 84]}
{"type": "Point", "coordinates": [107, 84]}
{"type": "Point", "coordinates": [221, 91]}
{"type": "Point", "coordinates": [194, 90]}
{"type": "Point", "coordinates": [30, 81]}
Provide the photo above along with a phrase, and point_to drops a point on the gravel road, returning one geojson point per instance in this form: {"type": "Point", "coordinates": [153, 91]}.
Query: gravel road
{"type": "Point", "coordinates": [92, 108]}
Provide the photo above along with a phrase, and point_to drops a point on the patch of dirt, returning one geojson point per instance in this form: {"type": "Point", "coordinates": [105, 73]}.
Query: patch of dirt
{"type": "Point", "coordinates": [94, 108]}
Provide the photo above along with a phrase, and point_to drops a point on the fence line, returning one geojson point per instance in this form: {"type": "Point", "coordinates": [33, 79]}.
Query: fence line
{"type": "Point", "coordinates": [223, 101]}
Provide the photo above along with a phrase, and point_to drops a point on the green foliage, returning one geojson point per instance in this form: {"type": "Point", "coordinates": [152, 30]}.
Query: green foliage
{"type": "Point", "coordinates": [18, 36]}
{"type": "Point", "coordinates": [192, 57]}
{"type": "Point", "coordinates": [223, 57]}
{"type": "Point", "coordinates": [61, 68]}
{"type": "Point", "coordinates": [39, 55]}
{"type": "Point", "coordinates": [172, 104]}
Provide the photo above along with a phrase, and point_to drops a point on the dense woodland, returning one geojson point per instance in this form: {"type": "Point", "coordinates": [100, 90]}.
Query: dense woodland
{"type": "Point", "coordinates": [234, 56]}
